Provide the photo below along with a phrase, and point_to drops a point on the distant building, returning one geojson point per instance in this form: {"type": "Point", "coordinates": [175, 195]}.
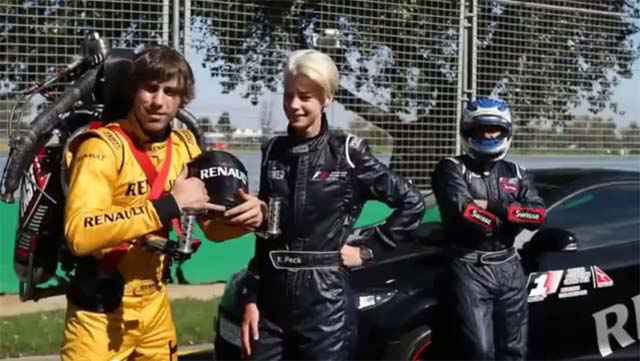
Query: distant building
{"type": "Point", "coordinates": [239, 137]}
{"type": "Point", "coordinates": [246, 134]}
{"type": "Point", "coordinates": [213, 137]}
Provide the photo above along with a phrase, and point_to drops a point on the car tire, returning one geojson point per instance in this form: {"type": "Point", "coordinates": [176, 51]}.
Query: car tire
{"type": "Point", "coordinates": [413, 345]}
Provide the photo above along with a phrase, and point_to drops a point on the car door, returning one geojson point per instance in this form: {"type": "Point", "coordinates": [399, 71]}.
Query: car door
{"type": "Point", "coordinates": [585, 301]}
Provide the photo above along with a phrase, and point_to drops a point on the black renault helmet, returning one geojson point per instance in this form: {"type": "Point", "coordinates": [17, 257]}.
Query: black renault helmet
{"type": "Point", "coordinates": [223, 175]}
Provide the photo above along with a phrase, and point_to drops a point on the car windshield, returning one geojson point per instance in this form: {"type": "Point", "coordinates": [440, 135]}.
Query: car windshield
{"type": "Point", "coordinates": [548, 192]}
{"type": "Point", "coordinates": [550, 185]}
{"type": "Point", "coordinates": [600, 216]}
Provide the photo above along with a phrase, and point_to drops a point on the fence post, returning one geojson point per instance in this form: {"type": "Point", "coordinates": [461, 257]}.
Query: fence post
{"type": "Point", "coordinates": [467, 64]}
{"type": "Point", "coordinates": [187, 29]}
{"type": "Point", "coordinates": [165, 22]}
{"type": "Point", "coordinates": [461, 66]}
{"type": "Point", "coordinates": [176, 25]}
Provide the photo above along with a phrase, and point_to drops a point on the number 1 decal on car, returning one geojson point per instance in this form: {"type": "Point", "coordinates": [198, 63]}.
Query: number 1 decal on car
{"type": "Point", "coordinates": [542, 284]}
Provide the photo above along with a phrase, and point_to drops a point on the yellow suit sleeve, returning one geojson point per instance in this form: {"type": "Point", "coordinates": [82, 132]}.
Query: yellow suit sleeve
{"type": "Point", "coordinates": [93, 220]}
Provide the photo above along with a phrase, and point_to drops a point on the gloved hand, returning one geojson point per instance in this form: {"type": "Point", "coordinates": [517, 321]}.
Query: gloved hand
{"type": "Point", "coordinates": [361, 236]}
{"type": "Point", "coordinates": [480, 218]}
{"type": "Point", "coordinates": [371, 238]}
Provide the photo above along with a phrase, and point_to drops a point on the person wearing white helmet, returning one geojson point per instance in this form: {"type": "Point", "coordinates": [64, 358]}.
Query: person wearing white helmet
{"type": "Point", "coordinates": [485, 201]}
{"type": "Point", "coordinates": [487, 129]}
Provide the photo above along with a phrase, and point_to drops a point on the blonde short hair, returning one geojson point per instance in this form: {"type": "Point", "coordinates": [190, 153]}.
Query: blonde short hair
{"type": "Point", "coordinates": [317, 66]}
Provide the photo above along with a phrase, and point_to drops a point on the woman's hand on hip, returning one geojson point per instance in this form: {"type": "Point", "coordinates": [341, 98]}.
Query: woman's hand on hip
{"type": "Point", "coordinates": [350, 256]}
{"type": "Point", "coordinates": [249, 328]}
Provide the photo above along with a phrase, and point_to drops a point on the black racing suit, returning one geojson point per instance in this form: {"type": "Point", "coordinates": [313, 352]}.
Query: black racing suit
{"type": "Point", "coordinates": [485, 283]}
{"type": "Point", "coordinates": [307, 308]}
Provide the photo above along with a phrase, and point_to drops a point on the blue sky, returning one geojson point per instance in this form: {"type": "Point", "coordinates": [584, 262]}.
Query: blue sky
{"type": "Point", "coordinates": [628, 92]}
{"type": "Point", "coordinates": [627, 95]}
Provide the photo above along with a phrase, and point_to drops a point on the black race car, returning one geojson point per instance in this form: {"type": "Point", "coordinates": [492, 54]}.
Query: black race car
{"type": "Point", "coordinates": [584, 285]}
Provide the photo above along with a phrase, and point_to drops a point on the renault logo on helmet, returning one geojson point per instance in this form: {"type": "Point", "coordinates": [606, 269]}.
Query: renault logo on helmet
{"type": "Point", "coordinates": [222, 171]}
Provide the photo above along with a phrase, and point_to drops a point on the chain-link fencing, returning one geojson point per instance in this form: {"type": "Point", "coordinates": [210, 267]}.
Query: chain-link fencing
{"type": "Point", "coordinates": [406, 66]}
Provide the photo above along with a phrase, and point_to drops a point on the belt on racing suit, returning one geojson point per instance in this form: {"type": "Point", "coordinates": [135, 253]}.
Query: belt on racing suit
{"type": "Point", "coordinates": [299, 260]}
{"type": "Point", "coordinates": [106, 296]}
{"type": "Point", "coordinates": [484, 257]}
{"type": "Point", "coordinates": [142, 288]}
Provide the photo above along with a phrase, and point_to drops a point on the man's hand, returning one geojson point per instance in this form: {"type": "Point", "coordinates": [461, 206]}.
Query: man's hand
{"type": "Point", "coordinates": [350, 256]}
{"type": "Point", "coordinates": [249, 328]}
{"type": "Point", "coordinates": [190, 193]}
{"type": "Point", "coordinates": [249, 214]}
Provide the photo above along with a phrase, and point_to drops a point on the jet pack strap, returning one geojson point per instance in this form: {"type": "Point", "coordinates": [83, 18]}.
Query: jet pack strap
{"type": "Point", "coordinates": [156, 178]}
{"type": "Point", "coordinates": [95, 124]}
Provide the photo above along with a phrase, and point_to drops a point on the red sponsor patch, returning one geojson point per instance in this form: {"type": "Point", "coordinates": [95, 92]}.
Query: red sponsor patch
{"type": "Point", "coordinates": [480, 217]}
{"type": "Point", "coordinates": [519, 214]}
{"type": "Point", "coordinates": [509, 185]}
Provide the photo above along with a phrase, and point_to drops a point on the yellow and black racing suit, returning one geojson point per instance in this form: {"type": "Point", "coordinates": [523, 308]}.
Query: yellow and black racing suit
{"type": "Point", "coordinates": [107, 208]}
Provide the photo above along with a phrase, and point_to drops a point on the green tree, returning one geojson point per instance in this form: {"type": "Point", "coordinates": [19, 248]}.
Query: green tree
{"type": "Point", "coordinates": [224, 125]}
{"type": "Point", "coordinates": [204, 123]}
{"type": "Point", "coordinates": [40, 35]}
{"type": "Point", "coordinates": [547, 62]}
{"type": "Point", "coordinates": [631, 138]}
{"type": "Point", "coordinates": [399, 59]}
{"type": "Point", "coordinates": [608, 135]}
{"type": "Point", "coordinates": [405, 41]}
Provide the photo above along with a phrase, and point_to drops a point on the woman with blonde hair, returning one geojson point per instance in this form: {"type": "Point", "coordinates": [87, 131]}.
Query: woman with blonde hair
{"type": "Point", "coordinates": [301, 305]}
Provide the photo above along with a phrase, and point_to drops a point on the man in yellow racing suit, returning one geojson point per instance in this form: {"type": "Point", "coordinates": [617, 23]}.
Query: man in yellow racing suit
{"type": "Point", "coordinates": [112, 207]}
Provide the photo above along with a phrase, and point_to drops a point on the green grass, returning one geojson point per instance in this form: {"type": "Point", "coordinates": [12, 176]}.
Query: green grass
{"type": "Point", "coordinates": [41, 333]}
{"type": "Point", "coordinates": [194, 320]}
{"type": "Point", "coordinates": [31, 334]}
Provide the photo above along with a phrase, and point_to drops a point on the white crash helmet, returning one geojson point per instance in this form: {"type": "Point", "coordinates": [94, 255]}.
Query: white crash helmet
{"type": "Point", "coordinates": [487, 112]}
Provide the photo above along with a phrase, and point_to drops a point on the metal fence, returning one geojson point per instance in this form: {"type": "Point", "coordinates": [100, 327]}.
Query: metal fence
{"type": "Point", "coordinates": [40, 38]}
{"type": "Point", "coordinates": [554, 61]}
{"type": "Point", "coordinates": [406, 66]}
